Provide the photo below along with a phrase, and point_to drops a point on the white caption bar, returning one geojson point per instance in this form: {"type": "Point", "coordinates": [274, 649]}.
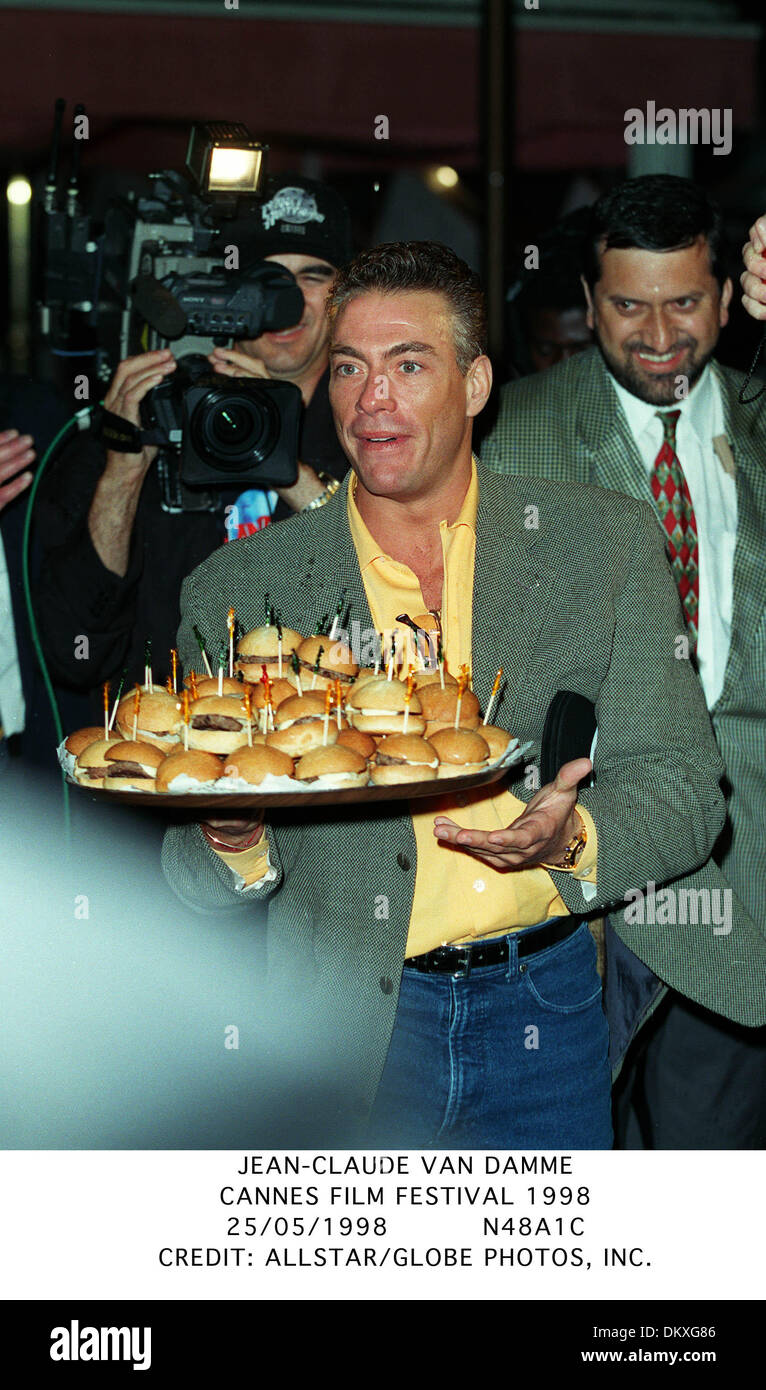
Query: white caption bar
{"type": "Point", "coordinates": [304, 1225]}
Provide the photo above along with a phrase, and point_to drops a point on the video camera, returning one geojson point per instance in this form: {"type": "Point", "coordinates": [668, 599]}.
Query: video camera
{"type": "Point", "coordinates": [161, 271]}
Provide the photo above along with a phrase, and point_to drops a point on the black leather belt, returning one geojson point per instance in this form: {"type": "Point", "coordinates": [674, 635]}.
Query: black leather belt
{"type": "Point", "coordinates": [461, 960]}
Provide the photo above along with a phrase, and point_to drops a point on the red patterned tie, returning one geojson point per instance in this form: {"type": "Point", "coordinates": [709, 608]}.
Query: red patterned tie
{"type": "Point", "coordinates": [676, 511]}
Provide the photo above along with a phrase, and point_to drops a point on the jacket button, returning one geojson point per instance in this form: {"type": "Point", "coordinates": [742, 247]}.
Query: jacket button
{"type": "Point", "coordinates": [403, 861]}
{"type": "Point", "coordinates": [386, 984]}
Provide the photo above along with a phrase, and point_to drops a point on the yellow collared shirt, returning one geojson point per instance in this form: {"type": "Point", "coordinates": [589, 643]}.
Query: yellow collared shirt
{"type": "Point", "coordinates": [457, 897]}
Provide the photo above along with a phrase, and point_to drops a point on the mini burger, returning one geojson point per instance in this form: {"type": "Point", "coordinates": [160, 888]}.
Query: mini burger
{"type": "Point", "coordinates": [440, 707]}
{"type": "Point", "coordinates": [361, 743]}
{"type": "Point", "coordinates": [335, 663]}
{"type": "Point", "coordinates": [378, 707]}
{"type": "Point", "coordinates": [461, 752]}
{"type": "Point", "coordinates": [299, 725]}
{"type": "Point", "coordinates": [260, 647]}
{"type": "Point", "coordinates": [404, 758]}
{"type": "Point", "coordinates": [193, 766]}
{"type": "Point", "coordinates": [424, 678]}
{"type": "Point", "coordinates": [251, 765]}
{"type": "Point", "coordinates": [159, 719]}
{"type": "Point", "coordinates": [332, 768]}
{"type": "Point", "coordinates": [218, 723]}
{"type": "Point", "coordinates": [208, 685]}
{"type": "Point", "coordinates": [131, 766]}
{"type": "Point", "coordinates": [280, 691]}
{"type": "Point", "coordinates": [90, 766]}
{"type": "Point", "coordinates": [496, 739]}
{"type": "Point", "coordinates": [81, 738]}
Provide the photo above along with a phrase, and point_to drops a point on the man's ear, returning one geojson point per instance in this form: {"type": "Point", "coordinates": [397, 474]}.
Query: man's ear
{"type": "Point", "coordinates": [478, 384]}
{"type": "Point", "coordinates": [723, 308]}
{"type": "Point", "coordinates": [590, 317]}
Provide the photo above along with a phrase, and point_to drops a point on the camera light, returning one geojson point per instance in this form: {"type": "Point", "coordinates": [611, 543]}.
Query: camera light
{"type": "Point", "coordinates": [233, 170]}
{"type": "Point", "coordinates": [18, 191]}
{"type": "Point", "coordinates": [445, 176]}
{"type": "Point", "coordinates": [223, 159]}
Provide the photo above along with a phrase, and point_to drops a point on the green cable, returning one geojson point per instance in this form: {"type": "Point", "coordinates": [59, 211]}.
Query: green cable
{"type": "Point", "coordinates": [28, 600]}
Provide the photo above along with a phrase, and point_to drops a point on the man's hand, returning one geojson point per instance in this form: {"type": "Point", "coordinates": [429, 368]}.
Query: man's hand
{"type": "Point", "coordinates": [15, 452]}
{"type": "Point", "coordinates": [235, 833]}
{"type": "Point", "coordinates": [230, 362]}
{"type": "Point", "coordinates": [753, 278]}
{"type": "Point", "coordinates": [134, 379]}
{"type": "Point", "coordinates": [115, 501]}
{"type": "Point", "coordinates": [541, 833]}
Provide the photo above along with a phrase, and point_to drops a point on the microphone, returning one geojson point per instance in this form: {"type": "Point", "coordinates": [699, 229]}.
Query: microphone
{"type": "Point", "coordinates": [158, 307]}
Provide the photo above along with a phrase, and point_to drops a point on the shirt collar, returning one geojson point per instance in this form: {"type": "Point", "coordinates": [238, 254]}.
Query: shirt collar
{"type": "Point", "coordinates": [701, 409]}
{"type": "Point", "coordinates": [367, 548]}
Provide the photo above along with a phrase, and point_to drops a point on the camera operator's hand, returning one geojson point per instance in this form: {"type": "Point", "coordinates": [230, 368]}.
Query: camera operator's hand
{"type": "Point", "coordinates": [16, 453]}
{"type": "Point", "coordinates": [113, 509]}
{"type": "Point", "coordinates": [753, 278]}
{"type": "Point", "coordinates": [307, 486]}
{"type": "Point", "coordinates": [230, 362]}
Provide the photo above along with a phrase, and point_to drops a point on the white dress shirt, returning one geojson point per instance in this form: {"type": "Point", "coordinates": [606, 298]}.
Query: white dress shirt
{"type": "Point", "coordinates": [11, 693]}
{"type": "Point", "coordinates": [714, 498]}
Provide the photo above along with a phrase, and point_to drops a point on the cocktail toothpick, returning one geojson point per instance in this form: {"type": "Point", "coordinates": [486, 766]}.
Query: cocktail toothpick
{"type": "Point", "coordinates": [296, 665]}
{"type": "Point", "coordinates": [462, 682]}
{"type": "Point", "coordinates": [148, 666]}
{"type": "Point", "coordinates": [338, 611]}
{"type": "Point", "coordinates": [201, 646]}
{"type": "Point", "coordinates": [136, 708]}
{"type": "Point", "coordinates": [119, 697]}
{"type": "Point", "coordinates": [326, 715]}
{"type": "Point", "coordinates": [221, 664]}
{"type": "Point", "coordinates": [174, 668]}
{"type": "Point", "coordinates": [231, 623]}
{"type": "Point", "coordinates": [186, 717]}
{"type": "Point", "coordinates": [247, 700]}
{"type": "Point", "coordinates": [338, 701]}
{"type": "Point", "coordinates": [493, 697]}
{"type": "Point", "coordinates": [408, 697]}
{"type": "Point", "coordinates": [279, 645]}
{"type": "Point", "coordinates": [316, 669]}
{"type": "Point", "coordinates": [106, 709]}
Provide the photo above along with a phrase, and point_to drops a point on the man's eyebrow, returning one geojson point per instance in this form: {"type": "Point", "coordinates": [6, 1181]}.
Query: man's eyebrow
{"type": "Point", "coordinates": [399, 348]}
{"type": "Point", "coordinates": [396, 351]}
{"type": "Point", "coordinates": [326, 271]}
{"type": "Point", "coordinates": [631, 298]}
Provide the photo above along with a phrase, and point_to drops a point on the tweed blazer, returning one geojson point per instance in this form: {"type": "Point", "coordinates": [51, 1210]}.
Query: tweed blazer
{"type": "Point", "coordinates": [572, 590]}
{"type": "Point", "coordinates": [567, 424]}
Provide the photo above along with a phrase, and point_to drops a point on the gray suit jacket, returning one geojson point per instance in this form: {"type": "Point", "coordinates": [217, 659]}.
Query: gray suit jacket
{"type": "Point", "coordinates": [555, 603]}
{"type": "Point", "coordinates": [567, 424]}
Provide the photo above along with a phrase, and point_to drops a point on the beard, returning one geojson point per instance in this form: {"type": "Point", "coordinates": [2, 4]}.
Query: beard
{"type": "Point", "coordinates": [656, 388]}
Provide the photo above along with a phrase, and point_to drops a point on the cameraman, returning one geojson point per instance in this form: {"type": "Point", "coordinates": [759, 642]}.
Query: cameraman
{"type": "Point", "coordinates": [114, 559]}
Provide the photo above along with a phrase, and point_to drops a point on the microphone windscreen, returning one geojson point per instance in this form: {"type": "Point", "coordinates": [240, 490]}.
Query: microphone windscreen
{"type": "Point", "coordinates": [158, 307]}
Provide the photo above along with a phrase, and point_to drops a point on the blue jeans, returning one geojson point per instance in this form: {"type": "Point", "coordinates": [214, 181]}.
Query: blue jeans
{"type": "Point", "coordinates": [511, 1056]}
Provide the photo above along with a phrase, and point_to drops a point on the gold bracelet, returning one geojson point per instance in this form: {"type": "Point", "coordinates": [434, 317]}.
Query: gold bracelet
{"type": "Point", "coordinates": [331, 487]}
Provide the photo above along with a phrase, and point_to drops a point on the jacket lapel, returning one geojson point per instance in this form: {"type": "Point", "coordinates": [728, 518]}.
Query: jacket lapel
{"type": "Point", "coordinates": [512, 591]}
{"type": "Point", "coordinates": [615, 462]}
{"type": "Point", "coordinates": [745, 434]}
{"type": "Point", "coordinates": [330, 565]}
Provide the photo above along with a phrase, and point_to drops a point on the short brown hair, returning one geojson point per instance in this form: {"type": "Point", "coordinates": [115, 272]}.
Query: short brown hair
{"type": "Point", "coordinates": [419, 265]}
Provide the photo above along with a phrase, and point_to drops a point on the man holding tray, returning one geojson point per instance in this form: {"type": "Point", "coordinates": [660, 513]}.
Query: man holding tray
{"type": "Point", "coordinates": [438, 955]}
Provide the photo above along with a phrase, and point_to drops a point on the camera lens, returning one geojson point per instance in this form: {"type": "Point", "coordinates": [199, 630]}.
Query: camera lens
{"type": "Point", "coordinates": [231, 424]}
{"type": "Point", "coordinates": [233, 429]}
